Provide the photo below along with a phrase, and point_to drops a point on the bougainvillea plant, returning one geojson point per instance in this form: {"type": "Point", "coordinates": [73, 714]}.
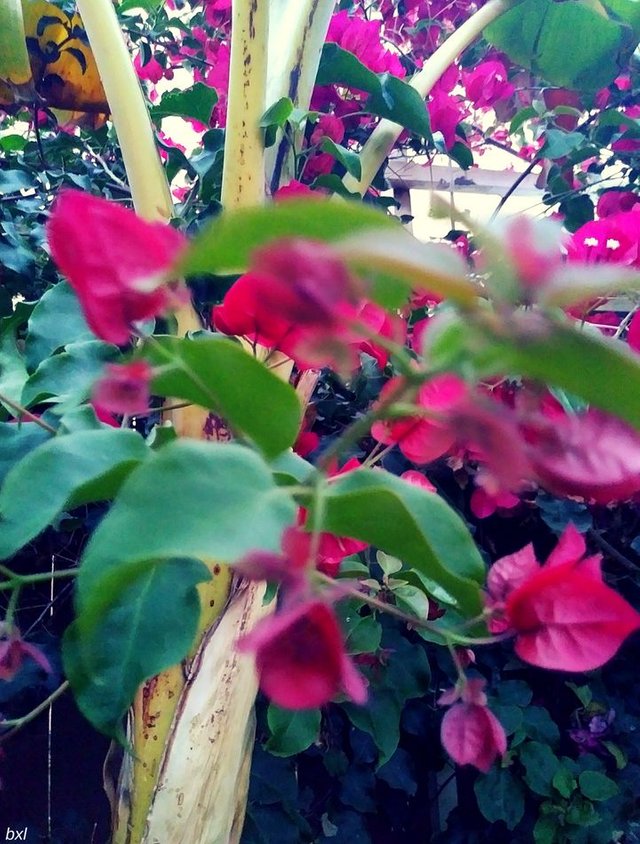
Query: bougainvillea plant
{"type": "Point", "coordinates": [501, 356]}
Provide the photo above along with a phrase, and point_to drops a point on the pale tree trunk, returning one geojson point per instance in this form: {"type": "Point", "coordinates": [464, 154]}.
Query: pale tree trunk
{"type": "Point", "coordinates": [192, 727]}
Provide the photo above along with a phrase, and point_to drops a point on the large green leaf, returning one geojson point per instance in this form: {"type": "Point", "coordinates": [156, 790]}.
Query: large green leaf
{"type": "Point", "coordinates": [69, 375]}
{"type": "Point", "coordinates": [500, 797]}
{"type": "Point", "coordinates": [601, 371]}
{"type": "Point", "coordinates": [602, 34]}
{"type": "Point", "coordinates": [224, 246]}
{"type": "Point", "coordinates": [196, 103]}
{"type": "Point", "coordinates": [189, 499]}
{"type": "Point", "coordinates": [414, 525]}
{"type": "Point", "coordinates": [219, 374]}
{"type": "Point", "coordinates": [13, 372]}
{"type": "Point", "coordinates": [56, 320]}
{"type": "Point", "coordinates": [17, 440]}
{"type": "Point", "coordinates": [390, 97]}
{"type": "Point", "coordinates": [148, 626]}
{"type": "Point", "coordinates": [65, 472]}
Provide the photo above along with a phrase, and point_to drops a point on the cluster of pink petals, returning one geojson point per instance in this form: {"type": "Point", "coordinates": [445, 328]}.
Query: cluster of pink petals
{"type": "Point", "coordinates": [470, 733]}
{"type": "Point", "coordinates": [123, 388]}
{"type": "Point", "coordinates": [116, 262]}
{"type": "Point", "coordinates": [591, 454]}
{"type": "Point", "coordinates": [614, 239]}
{"type": "Point", "coordinates": [13, 651]}
{"type": "Point", "coordinates": [423, 439]}
{"type": "Point", "coordinates": [487, 83]}
{"type": "Point", "coordinates": [563, 615]}
{"type": "Point", "coordinates": [300, 653]}
{"type": "Point", "coordinates": [301, 659]}
{"type": "Point", "coordinates": [616, 201]}
{"type": "Point", "coordinates": [152, 71]}
{"type": "Point", "coordinates": [328, 126]}
{"type": "Point", "coordinates": [362, 38]}
{"type": "Point", "coordinates": [445, 113]}
{"type": "Point", "coordinates": [299, 298]}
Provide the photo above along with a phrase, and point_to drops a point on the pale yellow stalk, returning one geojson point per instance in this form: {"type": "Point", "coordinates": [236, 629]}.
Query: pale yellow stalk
{"type": "Point", "coordinates": [15, 69]}
{"type": "Point", "coordinates": [147, 180]}
{"type": "Point", "coordinates": [293, 67]}
{"type": "Point", "coordinates": [243, 180]}
{"type": "Point", "coordinates": [386, 133]}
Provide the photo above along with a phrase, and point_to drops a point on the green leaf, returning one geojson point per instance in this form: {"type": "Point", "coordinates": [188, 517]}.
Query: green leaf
{"type": "Point", "coordinates": [617, 753]}
{"type": "Point", "coordinates": [189, 499]}
{"type": "Point", "coordinates": [69, 375]}
{"type": "Point", "coordinates": [56, 320]}
{"type": "Point", "coordinates": [149, 626]}
{"type": "Point", "coordinates": [217, 373]}
{"type": "Point", "coordinates": [599, 370]}
{"type": "Point", "coordinates": [12, 181]}
{"type": "Point", "coordinates": [289, 468]}
{"type": "Point", "coordinates": [16, 441]}
{"type": "Point", "coordinates": [564, 782]}
{"type": "Point", "coordinates": [277, 114]}
{"type": "Point", "coordinates": [539, 725]}
{"type": "Point", "coordinates": [430, 266]}
{"type": "Point", "coordinates": [390, 97]}
{"type": "Point", "coordinates": [583, 693]}
{"type": "Point", "coordinates": [407, 522]}
{"type": "Point", "coordinates": [515, 692]}
{"type": "Point", "coordinates": [500, 797]}
{"type": "Point", "coordinates": [545, 830]}
{"type": "Point", "coordinates": [362, 633]}
{"type": "Point", "coordinates": [225, 245]}
{"type": "Point", "coordinates": [380, 718]}
{"type": "Point", "coordinates": [535, 34]}
{"type": "Point", "coordinates": [291, 732]}
{"type": "Point", "coordinates": [559, 144]}
{"type": "Point", "coordinates": [521, 118]}
{"type": "Point", "coordinates": [145, 5]}
{"type": "Point", "coordinates": [275, 118]}
{"type": "Point", "coordinates": [597, 786]}
{"type": "Point", "coordinates": [195, 103]}
{"type": "Point", "coordinates": [411, 599]}
{"type": "Point", "coordinates": [13, 372]}
{"type": "Point", "coordinates": [349, 159]}
{"type": "Point", "coordinates": [63, 473]}
{"type": "Point", "coordinates": [541, 765]}
{"type": "Point", "coordinates": [461, 154]}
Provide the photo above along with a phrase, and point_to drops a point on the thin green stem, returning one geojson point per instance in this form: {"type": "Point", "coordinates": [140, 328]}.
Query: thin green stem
{"type": "Point", "coordinates": [19, 580]}
{"type": "Point", "coordinates": [11, 607]}
{"type": "Point", "coordinates": [17, 723]}
{"type": "Point", "coordinates": [22, 411]}
{"type": "Point", "coordinates": [449, 636]}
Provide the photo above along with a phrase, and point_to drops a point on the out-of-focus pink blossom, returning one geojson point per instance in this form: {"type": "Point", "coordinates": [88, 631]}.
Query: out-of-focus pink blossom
{"type": "Point", "coordinates": [124, 388]}
{"type": "Point", "coordinates": [470, 733]}
{"type": "Point", "coordinates": [301, 659]}
{"type": "Point", "coordinates": [115, 261]}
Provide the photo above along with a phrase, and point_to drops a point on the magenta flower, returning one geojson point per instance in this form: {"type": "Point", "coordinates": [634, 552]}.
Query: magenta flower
{"type": "Point", "coordinates": [300, 657]}
{"type": "Point", "coordinates": [487, 83]}
{"type": "Point", "coordinates": [470, 733]}
{"type": "Point", "coordinates": [116, 262]}
{"type": "Point", "coordinates": [563, 615]}
{"type": "Point", "coordinates": [124, 388]}
{"type": "Point", "coordinates": [13, 651]}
